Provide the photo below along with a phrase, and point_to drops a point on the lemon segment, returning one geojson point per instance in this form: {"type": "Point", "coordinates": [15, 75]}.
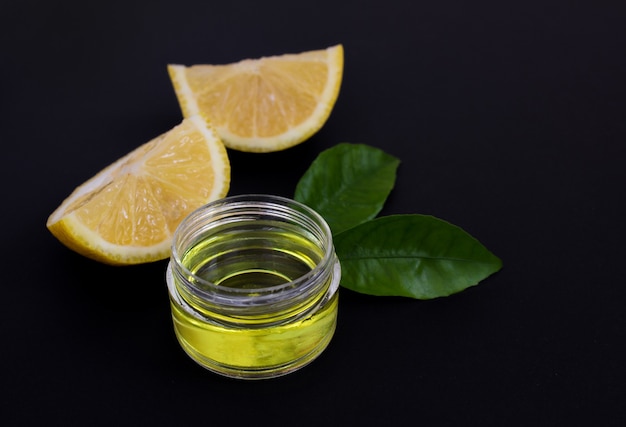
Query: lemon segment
{"type": "Point", "coordinates": [127, 213]}
{"type": "Point", "coordinates": [266, 104]}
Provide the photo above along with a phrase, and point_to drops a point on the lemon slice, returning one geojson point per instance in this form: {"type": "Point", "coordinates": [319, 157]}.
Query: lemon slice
{"type": "Point", "coordinates": [266, 104]}
{"type": "Point", "coordinates": [127, 213]}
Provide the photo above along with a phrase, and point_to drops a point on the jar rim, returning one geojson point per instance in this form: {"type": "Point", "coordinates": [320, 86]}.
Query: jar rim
{"type": "Point", "coordinates": [265, 295]}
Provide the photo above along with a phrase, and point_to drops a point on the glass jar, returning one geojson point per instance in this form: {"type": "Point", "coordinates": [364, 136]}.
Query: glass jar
{"type": "Point", "coordinates": [253, 286]}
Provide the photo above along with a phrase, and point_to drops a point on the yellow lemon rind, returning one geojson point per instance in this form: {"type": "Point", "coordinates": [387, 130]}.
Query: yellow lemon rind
{"type": "Point", "coordinates": [74, 235]}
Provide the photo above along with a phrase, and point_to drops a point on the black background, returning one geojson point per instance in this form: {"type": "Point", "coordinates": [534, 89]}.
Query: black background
{"type": "Point", "coordinates": [509, 118]}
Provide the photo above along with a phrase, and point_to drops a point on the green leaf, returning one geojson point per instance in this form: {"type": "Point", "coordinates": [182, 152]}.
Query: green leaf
{"type": "Point", "coordinates": [348, 184]}
{"type": "Point", "coordinates": [417, 256]}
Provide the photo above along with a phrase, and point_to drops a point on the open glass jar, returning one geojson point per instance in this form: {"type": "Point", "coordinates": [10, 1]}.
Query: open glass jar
{"type": "Point", "coordinates": [253, 286]}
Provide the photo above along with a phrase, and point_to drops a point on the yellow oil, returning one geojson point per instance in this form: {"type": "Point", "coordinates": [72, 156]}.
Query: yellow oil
{"type": "Point", "coordinates": [253, 347]}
